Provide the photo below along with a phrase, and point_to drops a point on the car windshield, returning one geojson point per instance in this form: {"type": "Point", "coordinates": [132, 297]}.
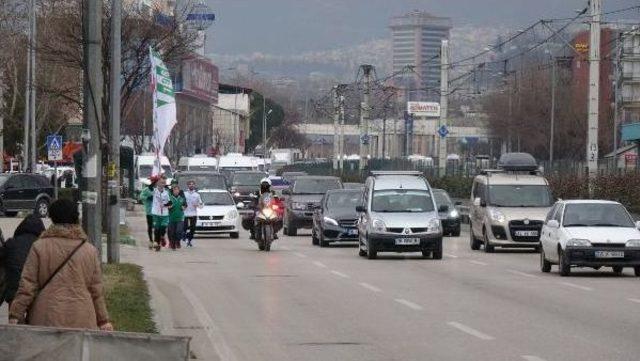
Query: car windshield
{"type": "Point", "coordinates": [216, 199]}
{"type": "Point", "coordinates": [401, 201]}
{"type": "Point", "coordinates": [344, 200]}
{"type": "Point", "coordinates": [520, 196]}
{"type": "Point", "coordinates": [248, 179]}
{"type": "Point", "coordinates": [144, 171]}
{"type": "Point", "coordinates": [203, 168]}
{"type": "Point", "coordinates": [442, 198]}
{"type": "Point", "coordinates": [315, 185]}
{"type": "Point", "coordinates": [596, 215]}
{"type": "Point", "coordinates": [203, 181]}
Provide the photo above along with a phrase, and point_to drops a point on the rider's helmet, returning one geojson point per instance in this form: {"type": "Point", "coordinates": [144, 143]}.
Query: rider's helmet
{"type": "Point", "coordinates": [265, 185]}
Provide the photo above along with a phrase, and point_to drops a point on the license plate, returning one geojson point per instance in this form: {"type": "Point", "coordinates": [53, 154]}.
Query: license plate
{"type": "Point", "coordinates": [609, 254]}
{"type": "Point", "coordinates": [407, 241]}
{"type": "Point", "coordinates": [352, 232]}
{"type": "Point", "coordinates": [526, 233]}
{"type": "Point", "coordinates": [211, 224]}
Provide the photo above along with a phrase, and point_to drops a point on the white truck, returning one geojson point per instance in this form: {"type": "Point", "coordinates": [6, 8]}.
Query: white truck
{"type": "Point", "coordinates": [144, 167]}
{"type": "Point", "coordinates": [199, 162]}
{"type": "Point", "coordinates": [284, 157]}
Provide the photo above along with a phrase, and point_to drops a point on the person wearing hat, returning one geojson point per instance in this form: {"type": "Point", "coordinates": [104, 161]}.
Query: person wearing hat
{"type": "Point", "coordinates": [146, 197]}
{"type": "Point", "coordinates": [160, 210]}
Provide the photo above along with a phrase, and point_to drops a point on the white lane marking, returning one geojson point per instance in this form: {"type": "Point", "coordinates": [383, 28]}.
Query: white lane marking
{"type": "Point", "coordinates": [214, 334]}
{"type": "Point", "coordinates": [479, 263]}
{"type": "Point", "coordinates": [532, 358]}
{"type": "Point", "coordinates": [634, 300]}
{"type": "Point", "coordinates": [471, 331]}
{"type": "Point", "coordinates": [569, 284]}
{"type": "Point", "coordinates": [340, 274]}
{"type": "Point", "coordinates": [370, 287]}
{"type": "Point", "coordinates": [450, 255]}
{"type": "Point", "coordinates": [523, 274]}
{"type": "Point", "coordinates": [285, 248]}
{"type": "Point", "coordinates": [320, 264]}
{"type": "Point", "coordinates": [301, 255]}
{"type": "Point", "coordinates": [409, 304]}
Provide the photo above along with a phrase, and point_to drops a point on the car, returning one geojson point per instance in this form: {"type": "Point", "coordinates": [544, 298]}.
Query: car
{"type": "Point", "coordinates": [398, 214]}
{"type": "Point", "coordinates": [292, 176]}
{"type": "Point", "coordinates": [203, 179]}
{"type": "Point", "coordinates": [353, 185]}
{"type": "Point", "coordinates": [509, 204]}
{"type": "Point", "coordinates": [302, 199]}
{"type": "Point", "coordinates": [335, 219]}
{"type": "Point", "coordinates": [219, 214]}
{"type": "Point", "coordinates": [449, 215]}
{"type": "Point", "coordinates": [590, 233]}
{"type": "Point", "coordinates": [244, 185]}
{"type": "Point", "coordinates": [25, 192]}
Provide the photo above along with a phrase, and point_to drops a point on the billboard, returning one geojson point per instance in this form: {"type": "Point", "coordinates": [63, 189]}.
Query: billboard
{"type": "Point", "coordinates": [424, 109]}
{"type": "Point", "coordinates": [200, 79]}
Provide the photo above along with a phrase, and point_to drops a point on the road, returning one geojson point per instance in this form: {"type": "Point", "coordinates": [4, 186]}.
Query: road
{"type": "Point", "coordinates": [301, 302]}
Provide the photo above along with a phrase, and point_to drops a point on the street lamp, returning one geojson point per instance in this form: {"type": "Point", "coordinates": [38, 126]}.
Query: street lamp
{"type": "Point", "coordinates": [264, 127]}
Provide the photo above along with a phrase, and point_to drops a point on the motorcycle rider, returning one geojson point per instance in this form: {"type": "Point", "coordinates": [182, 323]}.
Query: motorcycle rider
{"type": "Point", "coordinates": [263, 193]}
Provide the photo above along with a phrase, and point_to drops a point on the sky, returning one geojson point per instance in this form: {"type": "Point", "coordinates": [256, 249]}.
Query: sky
{"type": "Point", "coordinates": [294, 26]}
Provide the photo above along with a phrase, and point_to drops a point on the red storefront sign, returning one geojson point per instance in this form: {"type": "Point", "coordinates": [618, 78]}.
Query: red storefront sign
{"type": "Point", "coordinates": [200, 79]}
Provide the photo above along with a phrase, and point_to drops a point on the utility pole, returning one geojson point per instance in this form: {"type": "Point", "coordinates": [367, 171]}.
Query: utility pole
{"type": "Point", "coordinates": [32, 86]}
{"type": "Point", "coordinates": [341, 110]}
{"type": "Point", "coordinates": [365, 114]}
{"type": "Point", "coordinates": [553, 110]}
{"type": "Point", "coordinates": [1, 126]}
{"type": "Point", "coordinates": [336, 120]}
{"type": "Point", "coordinates": [27, 98]}
{"type": "Point", "coordinates": [444, 105]}
{"type": "Point", "coordinates": [92, 114]}
{"type": "Point", "coordinates": [113, 237]}
{"type": "Point", "coordinates": [617, 74]}
{"type": "Point", "coordinates": [594, 92]}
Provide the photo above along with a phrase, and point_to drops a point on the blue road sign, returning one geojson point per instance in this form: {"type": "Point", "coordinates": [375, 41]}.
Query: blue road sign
{"type": "Point", "coordinates": [54, 147]}
{"type": "Point", "coordinates": [364, 139]}
{"type": "Point", "coordinates": [443, 131]}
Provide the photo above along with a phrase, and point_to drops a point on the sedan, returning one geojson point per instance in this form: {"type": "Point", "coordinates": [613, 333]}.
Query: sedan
{"type": "Point", "coordinates": [219, 214]}
{"type": "Point", "coordinates": [587, 233]}
{"type": "Point", "coordinates": [335, 219]}
{"type": "Point", "coordinates": [449, 215]}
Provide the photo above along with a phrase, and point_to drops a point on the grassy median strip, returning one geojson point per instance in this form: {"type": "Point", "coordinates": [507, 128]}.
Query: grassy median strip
{"type": "Point", "coordinates": [128, 298]}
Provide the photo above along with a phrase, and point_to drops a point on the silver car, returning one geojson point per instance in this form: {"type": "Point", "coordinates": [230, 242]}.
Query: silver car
{"type": "Point", "coordinates": [398, 214]}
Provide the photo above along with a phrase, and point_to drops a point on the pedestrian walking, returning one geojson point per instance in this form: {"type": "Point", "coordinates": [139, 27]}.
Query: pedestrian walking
{"type": "Point", "coordinates": [61, 283]}
{"type": "Point", "coordinates": [146, 197]}
{"type": "Point", "coordinates": [160, 211]}
{"type": "Point", "coordinates": [15, 252]}
{"type": "Point", "coordinates": [176, 216]}
{"type": "Point", "coordinates": [194, 201]}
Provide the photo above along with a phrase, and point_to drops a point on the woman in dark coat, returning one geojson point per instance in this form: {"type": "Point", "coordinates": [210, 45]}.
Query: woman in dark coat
{"type": "Point", "coordinates": [16, 250]}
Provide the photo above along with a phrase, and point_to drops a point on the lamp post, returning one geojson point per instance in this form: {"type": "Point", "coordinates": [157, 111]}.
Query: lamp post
{"type": "Point", "coordinates": [265, 114]}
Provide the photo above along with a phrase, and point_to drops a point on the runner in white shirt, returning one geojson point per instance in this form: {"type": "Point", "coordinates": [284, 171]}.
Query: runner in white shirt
{"type": "Point", "coordinates": [194, 201]}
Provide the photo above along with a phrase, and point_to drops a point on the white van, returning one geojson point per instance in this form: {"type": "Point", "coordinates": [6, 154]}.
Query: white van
{"type": "Point", "coordinates": [144, 167]}
{"type": "Point", "coordinates": [199, 162]}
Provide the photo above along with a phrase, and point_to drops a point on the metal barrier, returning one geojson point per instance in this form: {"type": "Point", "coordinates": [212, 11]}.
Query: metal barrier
{"type": "Point", "coordinates": [21, 343]}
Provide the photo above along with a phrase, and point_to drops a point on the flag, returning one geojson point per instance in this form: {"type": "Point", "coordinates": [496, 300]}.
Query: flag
{"type": "Point", "coordinates": [164, 106]}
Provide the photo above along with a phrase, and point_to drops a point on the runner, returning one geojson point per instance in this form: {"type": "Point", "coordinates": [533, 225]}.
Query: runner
{"type": "Point", "coordinates": [194, 201]}
{"type": "Point", "coordinates": [160, 211]}
{"type": "Point", "coordinates": [176, 216]}
{"type": "Point", "coordinates": [146, 197]}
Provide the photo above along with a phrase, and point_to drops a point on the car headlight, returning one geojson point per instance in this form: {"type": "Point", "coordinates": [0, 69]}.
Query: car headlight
{"type": "Point", "coordinates": [575, 242]}
{"type": "Point", "coordinates": [299, 206]}
{"type": "Point", "coordinates": [433, 226]}
{"type": "Point", "coordinates": [496, 215]}
{"type": "Point", "coordinates": [379, 226]}
{"type": "Point", "coordinates": [454, 214]}
{"type": "Point", "coordinates": [330, 221]}
{"type": "Point", "coordinates": [233, 214]}
{"type": "Point", "coordinates": [633, 243]}
{"type": "Point", "coordinates": [236, 194]}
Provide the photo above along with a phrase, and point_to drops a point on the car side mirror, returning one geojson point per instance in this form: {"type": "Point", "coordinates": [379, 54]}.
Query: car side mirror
{"type": "Point", "coordinates": [553, 224]}
{"type": "Point", "coordinates": [443, 208]}
{"type": "Point", "coordinates": [240, 205]}
{"type": "Point", "coordinates": [361, 209]}
{"type": "Point", "coordinates": [638, 225]}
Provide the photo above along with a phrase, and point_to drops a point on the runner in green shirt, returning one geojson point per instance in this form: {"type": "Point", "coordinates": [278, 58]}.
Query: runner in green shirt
{"type": "Point", "coordinates": [146, 197]}
{"type": "Point", "coordinates": [176, 216]}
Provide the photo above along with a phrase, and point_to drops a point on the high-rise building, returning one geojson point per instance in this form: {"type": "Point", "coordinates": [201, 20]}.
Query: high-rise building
{"type": "Point", "coordinates": [417, 38]}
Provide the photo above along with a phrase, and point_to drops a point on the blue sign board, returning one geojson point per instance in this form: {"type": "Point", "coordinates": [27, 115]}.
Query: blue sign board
{"type": "Point", "coordinates": [364, 139]}
{"type": "Point", "coordinates": [54, 147]}
{"type": "Point", "coordinates": [201, 17]}
{"type": "Point", "coordinates": [631, 132]}
{"type": "Point", "coordinates": [443, 131]}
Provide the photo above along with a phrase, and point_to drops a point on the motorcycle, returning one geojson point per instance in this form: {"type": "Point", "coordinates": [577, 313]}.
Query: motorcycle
{"type": "Point", "coordinates": [266, 220]}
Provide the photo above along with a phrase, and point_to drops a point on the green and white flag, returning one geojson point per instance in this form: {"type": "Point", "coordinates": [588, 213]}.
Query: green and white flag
{"type": "Point", "coordinates": [164, 106]}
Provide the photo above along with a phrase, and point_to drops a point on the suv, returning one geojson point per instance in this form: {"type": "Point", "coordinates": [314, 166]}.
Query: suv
{"type": "Point", "coordinates": [398, 214]}
{"type": "Point", "coordinates": [509, 204]}
{"type": "Point", "coordinates": [25, 192]}
{"type": "Point", "coordinates": [303, 199]}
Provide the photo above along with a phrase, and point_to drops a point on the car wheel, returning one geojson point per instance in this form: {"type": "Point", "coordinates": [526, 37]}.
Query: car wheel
{"type": "Point", "coordinates": [456, 233]}
{"type": "Point", "coordinates": [475, 244]}
{"type": "Point", "coordinates": [437, 254]}
{"type": "Point", "coordinates": [426, 254]}
{"type": "Point", "coordinates": [545, 266]}
{"type": "Point", "coordinates": [234, 235]}
{"type": "Point", "coordinates": [322, 242]}
{"type": "Point", "coordinates": [293, 231]}
{"type": "Point", "coordinates": [564, 265]}
{"type": "Point", "coordinates": [488, 248]}
{"type": "Point", "coordinates": [314, 238]}
{"type": "Point", "coordinates": [617, 270]}
{"type": "Point", "coordinates": [636, 270]}
{"type": "Point", "coordinates": [362, 253]}
{"type": "Point", "coordinates": [42, 208]}
{"type": "Point", "coordinates": [371, 252]}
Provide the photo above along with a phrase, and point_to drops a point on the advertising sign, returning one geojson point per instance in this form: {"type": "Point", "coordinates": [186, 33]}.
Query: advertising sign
{"type": "Point", "coordinates": [200, 79]}
{"type": "Point", "coordinates": [424, 109]}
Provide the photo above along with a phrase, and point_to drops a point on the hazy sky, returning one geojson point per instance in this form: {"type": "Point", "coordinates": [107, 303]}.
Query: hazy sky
{"type": "Point", "coordinates": [294, 26]}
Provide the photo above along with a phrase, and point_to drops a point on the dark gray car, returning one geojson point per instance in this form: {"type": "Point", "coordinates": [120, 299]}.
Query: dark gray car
{"type": "Point", "coordinates": [335, 219]}
{"type": "Point", "coordinates": [302, 200]}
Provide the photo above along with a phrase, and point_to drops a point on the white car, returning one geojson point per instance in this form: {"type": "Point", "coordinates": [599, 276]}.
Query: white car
{"type": "Point", "coordinates": [218, 214]}
{"type": "Point", "coordinates": [589, 233]}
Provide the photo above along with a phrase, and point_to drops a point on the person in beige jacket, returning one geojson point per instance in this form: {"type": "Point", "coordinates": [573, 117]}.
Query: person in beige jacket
{"type": "Point", "coordinates": [73, 297]}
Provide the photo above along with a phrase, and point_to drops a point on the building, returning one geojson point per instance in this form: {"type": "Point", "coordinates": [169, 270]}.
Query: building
{"type": "Point", "coordinates": [417, 39]}
{"type": "Point", "coordinates": [231, 119]}
{"type": "Point", "coordinates": [628, 76]}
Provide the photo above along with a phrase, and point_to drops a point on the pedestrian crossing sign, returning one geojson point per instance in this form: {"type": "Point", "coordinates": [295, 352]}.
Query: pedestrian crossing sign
{"type": "Point", "coordinates": [54, 147]}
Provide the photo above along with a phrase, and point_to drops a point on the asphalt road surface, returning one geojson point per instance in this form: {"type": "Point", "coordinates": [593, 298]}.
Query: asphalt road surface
{"type": "Point", "coordinates": [301, 302]}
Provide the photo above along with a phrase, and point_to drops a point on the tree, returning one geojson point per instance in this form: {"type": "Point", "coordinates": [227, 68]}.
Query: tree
{"type": "Point", "coordinates": [287, 134]}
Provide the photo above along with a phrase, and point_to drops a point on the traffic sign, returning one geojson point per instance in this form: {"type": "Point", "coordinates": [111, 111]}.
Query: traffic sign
{"type": "Point", "coordinates": [364, 139]}
{"type": "Point", "coordinates": [443, 131]}
{"type": "Point", "coordinates": [54, 147]}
